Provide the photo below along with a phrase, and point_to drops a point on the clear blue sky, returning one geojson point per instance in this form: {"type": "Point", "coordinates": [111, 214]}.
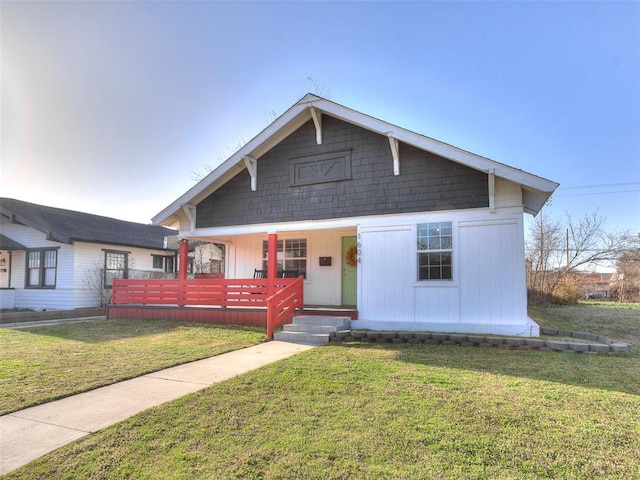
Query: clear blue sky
{"type": "Point", "coordinates": [108, 107]}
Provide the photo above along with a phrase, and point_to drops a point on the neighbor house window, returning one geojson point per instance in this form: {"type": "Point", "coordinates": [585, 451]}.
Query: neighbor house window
{"type": "Point", "coordinates": [435, 251]}
{"type": "Point", "coordinates": [164, 263]}
{"type": "Point", "coordinates": [116, 265]}
{"type": "Point", "coordinates": [41, 268]}
{"type": "Point", "coordinates": [292, 255]}
{"type": "Point", "coordinates": [169, 264]}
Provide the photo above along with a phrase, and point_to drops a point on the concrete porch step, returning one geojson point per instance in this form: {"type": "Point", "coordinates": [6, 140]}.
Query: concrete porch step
{"type": "Point", "coordinates": [324, 320]}
{"type": "Point", "coordinates": [311, 329]}
{"type": "Point", "coordinates": [302, 338]}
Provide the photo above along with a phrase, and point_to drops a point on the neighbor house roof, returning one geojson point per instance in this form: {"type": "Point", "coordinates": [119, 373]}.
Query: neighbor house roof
{"type": "Point", "coordinates": [67, 226]}
{"type": "Point", "coordinates": [535, 190]}
{"type": "Point", "coordinates": [8, 244]}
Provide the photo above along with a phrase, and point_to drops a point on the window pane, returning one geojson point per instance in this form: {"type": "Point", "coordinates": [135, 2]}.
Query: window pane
{"type": "Point", "coordinates": [169, 265]}
{"type": "Point", "coordinates": [434, 266]}
{"type": "Point", "coordinates": [115, 266]}
{"type": "Point", "coordinates": [34, 259]}
{"type": "Point", "coordinates": [115, 261]}
{"type": "Point", "coordinates": [109, 276]}
{"type": "Point", "coordinates": [49, 258]}
{"type": "Point", "coordinates": [265, 249]}
{"type": "Point", "coordinates": [34, 277]}
{"type": "Point", "coordinates": [50, 277]}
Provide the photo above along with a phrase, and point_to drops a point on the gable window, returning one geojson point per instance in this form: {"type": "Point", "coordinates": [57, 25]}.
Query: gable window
{"type": "Point", "coordinates": [435, 251]}
{"type": "Point", "coordinates": [116, 265]}
{"type": "Point", "coordinates": [42, 267]}
{"type": "Point", "coordinates": [292, 255]}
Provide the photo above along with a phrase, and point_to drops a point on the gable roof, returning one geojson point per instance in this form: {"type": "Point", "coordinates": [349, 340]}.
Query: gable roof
{"type": "Point", "coordinates": [67, 226]}
{"type": "Point", "coordinates": [535, 190]}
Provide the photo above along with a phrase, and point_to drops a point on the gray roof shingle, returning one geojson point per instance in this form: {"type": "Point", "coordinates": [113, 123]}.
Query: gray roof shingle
{"type": "Point", "coordinates": [67, 226]}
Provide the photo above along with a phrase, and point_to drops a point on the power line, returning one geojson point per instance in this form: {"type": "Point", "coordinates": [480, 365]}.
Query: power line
{"type": "Point", "coordinates": [601, 185]}
{"type": "Point", "coordinates": [596, 193]}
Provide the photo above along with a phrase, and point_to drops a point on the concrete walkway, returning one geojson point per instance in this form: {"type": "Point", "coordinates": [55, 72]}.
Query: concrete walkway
{"type": "Point", "coordinates": [30, 433]}
{"type": "Point", "coordinates": [55, 321]}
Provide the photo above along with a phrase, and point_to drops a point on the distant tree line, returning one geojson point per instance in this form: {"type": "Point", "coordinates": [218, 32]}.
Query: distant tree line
{"type": "Point", "coordinates": [560, 254]}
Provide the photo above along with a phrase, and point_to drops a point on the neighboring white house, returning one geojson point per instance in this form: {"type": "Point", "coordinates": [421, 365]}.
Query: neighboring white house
{"type": "Point", "coordinates": [55, 259]}
{"type": "Point", "coordinates": [417, 234]}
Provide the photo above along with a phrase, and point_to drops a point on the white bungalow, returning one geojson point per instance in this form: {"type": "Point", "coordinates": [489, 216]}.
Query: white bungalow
{"type": "Point", "coordinates": [413, 233]}
{"type": "Point", "coordinates": [56, 259]}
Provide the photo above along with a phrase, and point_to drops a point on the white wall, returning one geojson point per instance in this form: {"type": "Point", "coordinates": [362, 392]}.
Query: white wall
{"type": "Point", "coordinates": [486, 295]}
{"type": "Point", "coordinates": [88, 264]}
{"type": "Point", "coordinates": [60, 297]}
{"type": "Point", "coordinates": [322, 285]}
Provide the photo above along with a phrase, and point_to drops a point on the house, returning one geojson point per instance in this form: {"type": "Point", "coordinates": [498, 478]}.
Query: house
{"type": "Point", "coordinates": [58, 259]}
{"type": "Point", "coordinates": [414, 233]}
{"type": "Point", "coordinates": [594, 285]}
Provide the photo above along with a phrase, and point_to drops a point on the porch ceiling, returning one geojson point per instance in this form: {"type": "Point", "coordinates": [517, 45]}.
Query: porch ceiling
{"type": "Point", "coordinates": [347, 225]}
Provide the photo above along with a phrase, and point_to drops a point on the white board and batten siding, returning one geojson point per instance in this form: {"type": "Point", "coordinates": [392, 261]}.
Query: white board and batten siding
{"type": "Point", "coordinates": [486, 295]}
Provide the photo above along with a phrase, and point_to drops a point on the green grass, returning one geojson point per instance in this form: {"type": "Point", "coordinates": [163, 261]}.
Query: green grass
{"type": "Point", "coordinates": [388, 411]}
{"type": "Point", "coordinates": [617, 321]}
{"type": "Point", "coordinates": [44, 363]}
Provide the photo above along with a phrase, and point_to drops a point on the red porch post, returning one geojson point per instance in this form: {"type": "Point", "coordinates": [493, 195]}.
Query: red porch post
{"type": "Point", "coordinates": [183, 263]}
{"type": "Point", "coordinates": [183, 259]}
{"type": "Point", "coordinates": [272, 261]}
{"type": "Point", "coordinates": [272, 271]}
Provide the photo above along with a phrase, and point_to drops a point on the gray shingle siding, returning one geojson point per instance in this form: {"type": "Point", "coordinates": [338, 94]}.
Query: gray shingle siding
{"type": "Point", "coordinates": [426, 182]}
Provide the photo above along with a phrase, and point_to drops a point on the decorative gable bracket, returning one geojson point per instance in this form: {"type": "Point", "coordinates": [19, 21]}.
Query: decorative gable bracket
{"type": "Point", "coordinates": [190, 212]}
{"type": "Point", "coordinates": [395, 152]}
{"type": "Point", "coordinates": [317, 121]}
{"type": "Point", "coordinates": [252, 166]}
{"type": "Point", "coordinates": [492, 190]}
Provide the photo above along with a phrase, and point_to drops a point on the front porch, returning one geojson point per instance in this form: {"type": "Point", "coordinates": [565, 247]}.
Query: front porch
{"type": "Point", "coordinates": [267, 303]}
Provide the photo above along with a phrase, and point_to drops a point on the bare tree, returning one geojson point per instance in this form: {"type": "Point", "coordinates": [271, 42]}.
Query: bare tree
{"type": "Point", "coordinates": [557, 253]}
{"type": "Point", "coordinates": [199, 173]}
{"type": "Point", "coordinates": [626, 283]}
{"type": "Point", "coordinates": [320, 89]}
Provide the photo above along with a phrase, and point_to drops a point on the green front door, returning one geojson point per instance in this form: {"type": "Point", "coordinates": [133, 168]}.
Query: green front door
{"type": "Point", "coordinates": [349, 271]}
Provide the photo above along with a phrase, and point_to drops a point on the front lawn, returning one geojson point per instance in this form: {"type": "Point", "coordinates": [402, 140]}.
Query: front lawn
{"type": "Point", "coordinates": [44, 363]}
{"type": "Point", "coordinates": [386, 411]}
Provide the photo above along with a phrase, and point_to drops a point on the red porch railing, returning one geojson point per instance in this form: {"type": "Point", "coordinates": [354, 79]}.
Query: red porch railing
{"type": "Point", "coordinates": [281, 298]}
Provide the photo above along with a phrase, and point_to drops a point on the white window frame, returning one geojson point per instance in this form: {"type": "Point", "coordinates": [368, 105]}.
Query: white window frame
{"type": "Point", "coordinates": [282, 257]}
{"type": "Point", "coordinates": [442, 244]}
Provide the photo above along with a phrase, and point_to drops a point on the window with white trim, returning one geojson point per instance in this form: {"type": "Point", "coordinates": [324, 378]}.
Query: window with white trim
{"type": "Point", "coordinates": [292, 255]}
{"type": "Point", "coordinates": [42, 266]}
{"type": "Point", "coordinates": [435, 251]}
